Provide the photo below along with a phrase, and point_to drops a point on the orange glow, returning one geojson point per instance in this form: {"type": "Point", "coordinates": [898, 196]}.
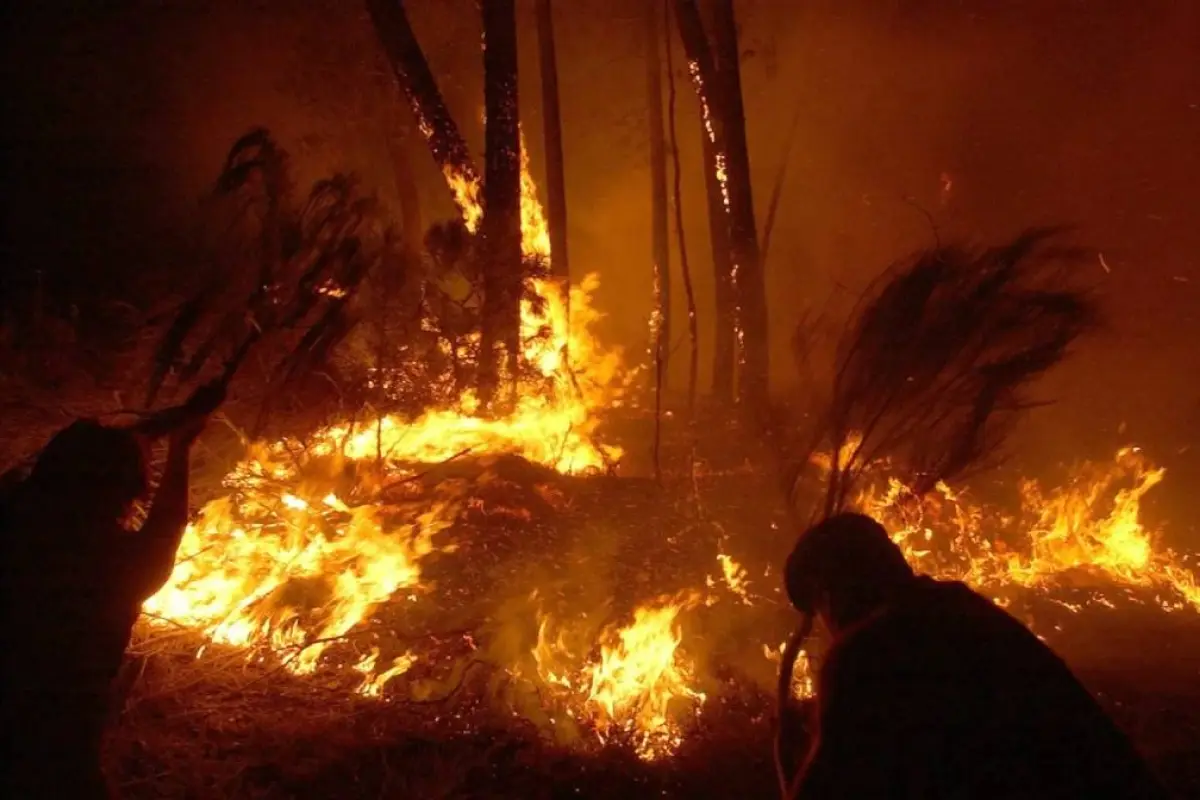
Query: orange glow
{"type": "Point", "coordinates": [309, 538]}
{"type": "Point", "coordinates": [312, 538]}
{"type": "Point", "coordinates": [638, 688]}
{"type": "Point", "coordinates": [1086, 531]}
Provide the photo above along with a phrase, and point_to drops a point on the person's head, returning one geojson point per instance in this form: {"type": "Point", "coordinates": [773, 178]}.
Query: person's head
{"type": "Point", "coordinates": [92, 469]}
{"type": "Point", "coordinates": [843, 569]}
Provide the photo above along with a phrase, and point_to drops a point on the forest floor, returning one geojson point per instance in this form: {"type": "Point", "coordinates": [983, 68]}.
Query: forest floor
{"type": "Point", "coordinates": [222, 727]}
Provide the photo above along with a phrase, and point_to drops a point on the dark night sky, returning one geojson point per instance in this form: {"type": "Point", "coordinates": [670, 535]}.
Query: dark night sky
{"type": "Point", "coordinates": [1040, 111]}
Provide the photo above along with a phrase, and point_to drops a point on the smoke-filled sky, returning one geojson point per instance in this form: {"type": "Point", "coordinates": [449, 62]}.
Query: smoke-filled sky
{"type": "Point", "coordinates": [989, 115]}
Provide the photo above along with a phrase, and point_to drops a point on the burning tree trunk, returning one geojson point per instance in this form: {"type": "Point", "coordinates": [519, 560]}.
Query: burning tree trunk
{"type": "Point", "coordinates": [747, 274]}
{"type": "Point", "coordinates": [502, 198]}
{"type": "Point", "coordinates": [703, 71]}
{"type": "Point", "coordinates": [725, 321]}
{"type": "Point", "coordinates": [555, 173]}
{"type": "Point", "coordinates": [728, 164]}
{"type": "Point", "coordinates": [660, 242]}
{"type": "Point", "coordinates": [412, 72]}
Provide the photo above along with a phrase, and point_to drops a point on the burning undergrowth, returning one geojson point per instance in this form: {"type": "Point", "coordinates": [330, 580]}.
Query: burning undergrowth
{"type": "Point", "coordinates": [451, 573]}
{"type": "Point", "coordinates": [488, 587]}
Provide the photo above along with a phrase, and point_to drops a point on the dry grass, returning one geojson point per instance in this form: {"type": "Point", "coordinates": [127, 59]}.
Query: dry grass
{"type": "Point", "coordinates": [220, 726]}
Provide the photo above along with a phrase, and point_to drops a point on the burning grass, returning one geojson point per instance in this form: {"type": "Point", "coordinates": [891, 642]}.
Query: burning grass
{"type": "Point", "coordinates": [398, 579]}
{"type": "Point", "coordinates": [453, 604]}
{"type": "Point", "coordinates": [570, 633]}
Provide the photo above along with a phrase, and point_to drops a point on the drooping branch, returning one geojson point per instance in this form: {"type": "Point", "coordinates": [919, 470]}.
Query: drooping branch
{"type": "Point", "coordinates": [932, 371]}
{"type": "Point", "coordinates": [291, 282]}
{"type": "Point", "coordinates": [677, 201]}
{"type": "Point", "coordinates": [446, 144]}
{"type": "Point", "coordinates": [777, 187]}
{"type": "Point", "coordinates": [659, 232]}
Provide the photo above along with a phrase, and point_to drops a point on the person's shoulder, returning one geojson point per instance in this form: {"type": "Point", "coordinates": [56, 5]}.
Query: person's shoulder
{"type": "Point", "coordinates": [880, 641]}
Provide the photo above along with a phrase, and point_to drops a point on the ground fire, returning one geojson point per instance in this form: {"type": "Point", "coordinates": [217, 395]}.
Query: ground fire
{"type": "Point", "coordinates": [314, 535]}
{"type": "Point", "coordinates": [552, 400]}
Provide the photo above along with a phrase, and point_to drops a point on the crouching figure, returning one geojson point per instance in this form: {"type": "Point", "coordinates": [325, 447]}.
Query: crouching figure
{"type": "Point", "coordinates": [74, 584]}
{"type": "Point", "coordinates": [930, 690]}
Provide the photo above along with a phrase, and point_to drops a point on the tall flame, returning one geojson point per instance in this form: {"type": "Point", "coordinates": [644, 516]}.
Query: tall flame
{"type": "Point", "coordinates": [310, 537]}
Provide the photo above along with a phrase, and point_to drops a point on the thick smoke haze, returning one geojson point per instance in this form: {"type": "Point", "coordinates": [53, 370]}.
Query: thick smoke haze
{"type": "Point", "coordinates": [988, 116]}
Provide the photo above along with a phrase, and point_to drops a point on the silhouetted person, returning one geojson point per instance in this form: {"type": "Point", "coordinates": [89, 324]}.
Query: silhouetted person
{"type": "Point", "coordinates": [930, 690]}
{"type": "Point", "coordinates": [74, 582]}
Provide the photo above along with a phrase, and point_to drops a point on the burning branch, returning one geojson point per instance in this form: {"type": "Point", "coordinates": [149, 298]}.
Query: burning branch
{"type": "Point", "coordinates": [415, 79]}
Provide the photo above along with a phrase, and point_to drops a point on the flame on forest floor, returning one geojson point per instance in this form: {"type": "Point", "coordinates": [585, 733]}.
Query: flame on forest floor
{"type": "Point", "coordinates": [734, 576]}
{"type": "Point", "coordinates": [312, 537]}
{"type": "Point", "coordinates": [638, 689]}
{"type": "Point", "coordinates": [1086, 530]}
{"type": "Point", "coordinates": [314, 525]}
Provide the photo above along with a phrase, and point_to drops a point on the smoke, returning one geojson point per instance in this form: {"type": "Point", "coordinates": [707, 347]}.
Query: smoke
{"type": "Point", "coordinates": [990, 117]}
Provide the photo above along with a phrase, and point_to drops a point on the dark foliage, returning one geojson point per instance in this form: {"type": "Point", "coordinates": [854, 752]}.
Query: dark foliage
{"type": "Point", "coordinates": [932, 370]}
{"type": "Point", "coordinates": [290, 274]}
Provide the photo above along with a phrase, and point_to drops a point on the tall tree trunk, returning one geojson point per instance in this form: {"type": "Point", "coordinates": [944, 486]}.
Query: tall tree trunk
{"type": "Point", "coordinates": [556, 187]}
{"type": "Point", "coordinates": [685, 269]}
{"type": "Point", "coordinates": [502, 267]}
{"type": "Point", "coordinates": [412, 73]}
{"type": "Point", "coordinates": [659, 230]}
{"type": "Point", "coordinates": [725, 320]}
{"type": "Point", "coordinates": [748, 283]}
{"type": "Point", "coordinates": [705, 80]}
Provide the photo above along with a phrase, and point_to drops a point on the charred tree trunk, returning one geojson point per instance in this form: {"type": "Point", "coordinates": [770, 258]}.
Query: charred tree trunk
{"type": "Point", "coordinates": [412, 73]}
{"type": "Point", "coordinates": [659, 231]}
{"type": "Point", "coordinates": [748, 284]}
{"type": "Point", "coordinates": [703, 70]}
{"type": "Point", "coordinates": [502, 267]}
{"type": "Point", "coordinates": [556, 190]}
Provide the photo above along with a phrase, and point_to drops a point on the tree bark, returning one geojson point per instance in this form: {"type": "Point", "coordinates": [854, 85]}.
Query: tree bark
{"type": "Point", "coordinates": [725, 320]}
{"type": "Point", "coordinates": [748, 284]}
{"type": "Point", "coordinates": [556, 190]}
{"type": "Point", "coordinates": [502, 267]}
{"type": "Point", "coordinates": [412, 72]}
{"type": "Point", "coordinates": [705, 80]}
{"type": "Point", "coordinates": [659, 230]}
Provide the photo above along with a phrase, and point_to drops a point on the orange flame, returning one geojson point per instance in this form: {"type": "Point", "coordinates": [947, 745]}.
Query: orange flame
{"type": "Point", "coordinates": [1089, 530]}
{"type": "Point", "coordinates": [307, 542]}
{"type": "Point", "coordinates": [638, 688]}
